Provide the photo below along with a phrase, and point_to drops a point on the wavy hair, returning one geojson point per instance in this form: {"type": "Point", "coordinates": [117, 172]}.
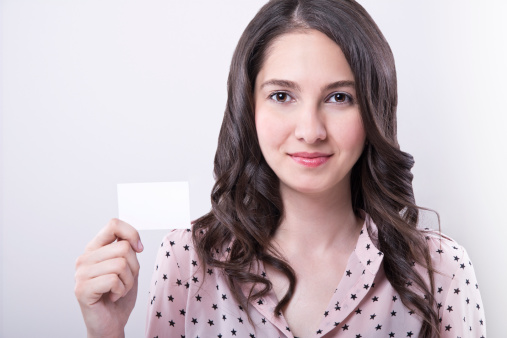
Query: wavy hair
{"type": "Point", "coordinates": [246, 203]}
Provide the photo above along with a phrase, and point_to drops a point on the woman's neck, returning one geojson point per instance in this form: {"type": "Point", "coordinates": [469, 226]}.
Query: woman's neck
{"type": "Point", "coordinates": [323, 222]}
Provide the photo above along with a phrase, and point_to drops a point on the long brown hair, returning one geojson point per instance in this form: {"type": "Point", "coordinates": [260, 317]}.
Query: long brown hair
{"type": "Point", "coordinates": [246, 203]}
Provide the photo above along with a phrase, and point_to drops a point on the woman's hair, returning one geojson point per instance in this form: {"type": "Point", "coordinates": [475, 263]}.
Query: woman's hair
{"type": "Point", "coordinates": [246, 203]}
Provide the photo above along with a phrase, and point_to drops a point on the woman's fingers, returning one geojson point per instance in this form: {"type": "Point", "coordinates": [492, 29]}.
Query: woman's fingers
{"type": "Point", "coordinates": [89, 292]}
{"type": "Point", "coordinates": [116, 229]}
{"type": "Point", "coordinates": [118, 249]}
{"type": "Point", "coordinates": [117, 266]}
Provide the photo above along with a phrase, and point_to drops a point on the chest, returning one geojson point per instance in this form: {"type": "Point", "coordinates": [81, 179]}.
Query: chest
{"type": "Point", "coordinates": [317, 282]}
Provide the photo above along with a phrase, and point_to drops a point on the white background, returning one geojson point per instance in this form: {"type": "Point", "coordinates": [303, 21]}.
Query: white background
{"type": "Point", "coordinates": [95, 93]}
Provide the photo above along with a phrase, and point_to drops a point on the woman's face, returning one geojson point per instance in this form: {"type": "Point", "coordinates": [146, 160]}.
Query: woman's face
{"type": "Point", "coordinates": [307, 119]}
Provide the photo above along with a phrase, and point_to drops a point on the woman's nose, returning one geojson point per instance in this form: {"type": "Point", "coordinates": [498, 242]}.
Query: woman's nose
{"type": "Point", "coordinates": [310, 126]}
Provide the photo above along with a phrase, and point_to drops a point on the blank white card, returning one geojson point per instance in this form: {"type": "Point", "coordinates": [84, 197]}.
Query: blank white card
{"type": "Point", "coordinates": [153, 206]}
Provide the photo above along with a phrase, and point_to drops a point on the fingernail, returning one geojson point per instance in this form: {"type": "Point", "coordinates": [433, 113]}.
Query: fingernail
{"type": "Point", "coordinates": [140, 246]}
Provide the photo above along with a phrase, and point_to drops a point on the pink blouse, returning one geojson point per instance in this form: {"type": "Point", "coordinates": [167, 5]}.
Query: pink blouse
{"type": "Point", "coordinates": [185, 304]}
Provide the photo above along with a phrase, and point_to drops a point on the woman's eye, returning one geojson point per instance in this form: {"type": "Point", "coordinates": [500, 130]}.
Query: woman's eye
{"type": "Point", "coordinates": [340, 98]}
{"type": "Point", "coordinates": [281, 97]}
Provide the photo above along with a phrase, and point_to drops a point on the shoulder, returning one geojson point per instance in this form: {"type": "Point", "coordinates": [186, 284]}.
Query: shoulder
{"type": "Point", "coordinates": [177, 246]}
{"type": "Point", "coordinates": [447, 256]}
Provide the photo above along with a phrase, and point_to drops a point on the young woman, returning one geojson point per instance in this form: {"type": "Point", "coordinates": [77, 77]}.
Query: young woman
{"type": "Point", "coordinates": [313, 228]}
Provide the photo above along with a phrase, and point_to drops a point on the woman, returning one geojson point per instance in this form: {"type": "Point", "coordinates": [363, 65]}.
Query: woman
{"type": "Point", "coordinates": [313, 228]}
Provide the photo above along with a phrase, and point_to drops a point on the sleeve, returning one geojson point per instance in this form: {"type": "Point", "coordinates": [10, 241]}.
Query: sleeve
{"type": "Point", "coordinates": [463, 313]}
{"type": "Point", "coordinates": [167, 295]}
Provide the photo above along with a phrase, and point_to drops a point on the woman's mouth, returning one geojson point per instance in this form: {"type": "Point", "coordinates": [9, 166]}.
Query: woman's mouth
{"type": "Point", "coordinates": [311, 160]}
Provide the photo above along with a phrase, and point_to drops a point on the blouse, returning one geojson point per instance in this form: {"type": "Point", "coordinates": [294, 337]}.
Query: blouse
{"type": "Point", "coordinates": [185, 303]}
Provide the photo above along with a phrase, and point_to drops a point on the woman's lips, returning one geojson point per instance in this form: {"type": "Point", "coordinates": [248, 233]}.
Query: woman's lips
{"type": "Point", "coordinates": [310, 159]}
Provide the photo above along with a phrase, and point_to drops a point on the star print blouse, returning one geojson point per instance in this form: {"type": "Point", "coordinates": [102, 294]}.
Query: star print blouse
{"type": "Point", "coordinates": [184, 303]}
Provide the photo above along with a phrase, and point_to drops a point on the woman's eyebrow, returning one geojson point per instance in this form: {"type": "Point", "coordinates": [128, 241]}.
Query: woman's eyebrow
{"type": "Point", "coordinates": [339, 84]}
{"type": "Point", "coordinates": [282, 83]}
{"type": "Point", "coordinates": [294, 86]}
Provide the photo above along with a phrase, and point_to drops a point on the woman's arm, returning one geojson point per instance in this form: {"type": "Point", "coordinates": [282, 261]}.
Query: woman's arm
{"type": "Point", "coordinates": [462, 312]}
{"type": "Point", "coordinates": [168, 293]}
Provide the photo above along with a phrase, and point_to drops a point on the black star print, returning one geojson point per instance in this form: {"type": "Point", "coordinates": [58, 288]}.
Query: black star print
{"type": "Point", "coordinates": [440, 289]}
{"type": "Point", "coordinates": [178, 282]}
{"type": "Point", "coordinates": [219, 335]}
{"type": "Point", "coordinates": [345, 327]}
{"type": "Point", "coordinates": [449, 308]}
{"type": "Point", "coordinates": [263, 274]}
{"type": "Point", "coordinates": [263, 320]}
{"type": "Point", "coordinates": [375, 299]}
{"type": "Point", "coordinates": [210, 322]}
{"type": "Point", "coordinates": [319, 331]}
{"type": "Point", "coordinates": [409, 334]}
{"type": "Point", "coordinates": [260, 302]}
{"type": "Point", "coordinates": [467, 282]}
{"type": "Point", "coordinates": [367, 246]}
{"type": "Point", "coordinates": [240, 307]}
{"type": "Point", "coordinates": [378, 327]}
{"type": "Point", "coordinates": [393, 313]}
{"type": "Point", "coordinates": [373, 316]}
{"type": "Point", "coordinates": [170, 298]}
{"type": "Point", "coordinates": [368, 262]}
{"type": "Point", "coordinates": [467, 300]}
{"type": "Point", "coordinates": [395, 298]}
{"type": "Point", "coordinates": [167, 254]}
{"type": "Point", "coordinates": [194, 263]}
{"type": "Point", "coordinates": [252, 335]}
{"type": "Point", "coordinates": [336, 324]}
{"type": "Point", "coordinates": [478, 307]}
{"type": "Point", "coordinates": [353, 296]}
{"type": "Point", "coordinates": [358, 311]}
{"type": "Point", "coordinates": [224, 317]}
{"type": "Point", "coordinates": [210, 272]}
{"type": "Point", "coordinates": [214, 306]}
{"type": "Point", "coordinates": [481, 321]}
{"type": "Point", "coordinates": [194, 320]}
{"type": "Point", "coordinates": [195, 279]}
{"type": "Point", "coordinates": [233, 332]}
{"type": "Point", "coordinates": [165, 277]}
{"type": "Point", "coordinates": [440, 251]}
{"type": "Point", "coordinates": [358, 336]}
{"type": "Point", "coordinates": [186, 247]}
{"type": "Point", "coordinates": [158, 314]}
{"type": "Point", "coordinates": [240, 320]}
{"type": "Point", "coordinates": [456, 291]}
{"type": "Point", "coordinates": [326, 313]}
{"type": "Point", "coordinates": [171, 323]}
{"type": "Point", "coordinates": [182, 312]}
{"type": "Point", "coordinates": [411, 312]}
{"type": "Point", "coordinates": [198, 298]}
{"type": "Point", "coordinates": [187, 285]}
{"type": "Point", "coordinates": [391, 334]}
{"type": "Point", "coordinates": [448, 328]}
{"type": "Point", "coordinates": [337, 306]}
{"type": "Point", "coordinates": [348, 273]}
{"type": "Point", "coordinates": [224, 297]}
{"type": "Point", "coordinates": [462, 266]}
{"type": "Point", "coordinates": [380, 253]}
{"type": "Point", "coordinates": [456, 258]}
{"type": "Point", "coordinates": [366, 286]}
{"type": "Point", "coordinates": [409, 283]}
{"type": "Point", "coordinates": [171, 242]}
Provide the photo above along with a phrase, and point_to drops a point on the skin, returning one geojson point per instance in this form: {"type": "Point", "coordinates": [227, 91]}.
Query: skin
{"type": "Point", "coordinates": [310, 116]}
{"type": "Point", "coordinates": [106, 279]}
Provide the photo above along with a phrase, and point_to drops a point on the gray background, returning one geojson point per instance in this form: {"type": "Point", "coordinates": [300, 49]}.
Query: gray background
{"type": "Point", "coordinates": [95, 93]}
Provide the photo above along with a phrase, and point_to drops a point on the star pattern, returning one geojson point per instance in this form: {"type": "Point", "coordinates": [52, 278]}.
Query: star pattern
{"type": "Point", "coordinates": [187, 301]}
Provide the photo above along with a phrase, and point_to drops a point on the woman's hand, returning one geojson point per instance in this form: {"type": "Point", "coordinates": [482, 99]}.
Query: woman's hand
{"type": "Point", "coordinates": [106, 279]}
